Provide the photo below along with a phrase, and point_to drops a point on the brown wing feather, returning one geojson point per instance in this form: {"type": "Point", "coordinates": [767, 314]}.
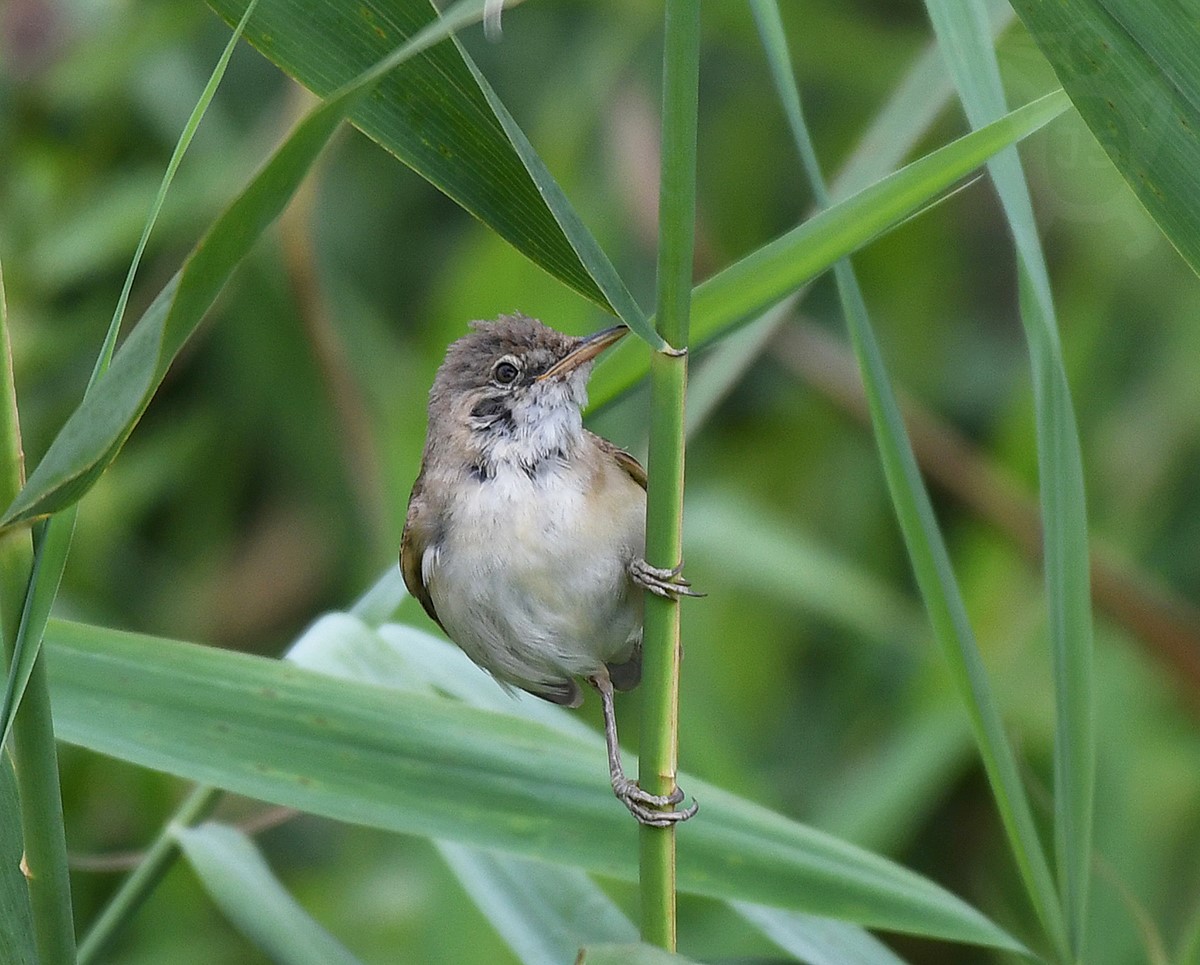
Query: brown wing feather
{"type": "Point", "coordinates": [632, 467]}
{"type": "Point", "coordinates": [419, 531]}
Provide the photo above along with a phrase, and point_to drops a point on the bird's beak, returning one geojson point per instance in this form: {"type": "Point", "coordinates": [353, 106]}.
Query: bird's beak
{"type": "Point", "coordinates": [585, 351]}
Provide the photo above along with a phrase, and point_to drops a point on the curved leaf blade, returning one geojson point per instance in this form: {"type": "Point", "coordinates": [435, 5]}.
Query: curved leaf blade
{"type": "Point", "coordinates": [237, 878]}
{"type": "Point", "coordinates": [770, 273]}
{"type": "Point", "coordinates": [433, 767]}
{"type": "Point", "coordinates": [430, 113]}
{"type": "Point", "coordinates": [97, 429]}
{"type": "Point", "coordinates": [16, 916]}
{"type": "Point", "coordinates": [1131, 70]}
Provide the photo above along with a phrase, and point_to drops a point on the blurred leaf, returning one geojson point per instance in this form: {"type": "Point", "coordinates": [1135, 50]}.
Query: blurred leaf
{"type": "Point", "coordinates": [237, 878]}
{"type": "Point", "coordinates": [98, 428]}
{"type": "Point", "coordinates": [634, 954]}
{"type": "Point", "coordinates": [433, 767]}
{"type": "Point", "coordinates": [430, 113]}
{"type": "Point", "coordinates": [962, 30]}
{"type": "Point", "coordinates": [923, 539]}
{"type": "Point", "coordinates": [818, 941]}
{"type": "Point", "coordinates": [52, 540]}
{"type": "Point", "coordinates": [544, 913]}
{"type": "Point", "coordinates": [1131, 70]}
{"type": "Point", "coordinates": [16, 919]}
{"type": "Point", "coordinates": [766, 556]}
{"type": "Point", "coordinates": [772, 272]}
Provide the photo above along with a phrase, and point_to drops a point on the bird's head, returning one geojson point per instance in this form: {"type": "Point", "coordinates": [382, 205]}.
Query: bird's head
{"type": "Point", "coordinates": [514, 389]}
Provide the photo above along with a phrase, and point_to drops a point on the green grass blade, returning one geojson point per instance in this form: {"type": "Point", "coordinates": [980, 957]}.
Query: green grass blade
{"type": "Point", "coordinates": [818, 941]}
{"type": "Point", "coordinates": [97, 429]}
{"type": "Point", "coordinates": [961, 28]}
{"type": "Point", "coordinates": [403, 657]}
{"type": "Point", "coordinates": [582, 242]}
{"type": "Point", "coordinates": [54, 542]}
{"type": "Point", "coordinates": [926, 547]}
{"type": "Point", "coordinates": [237, 878]}
{"type": "Point", "coordinates": [433, 767]}
{"type": "Point", "coordinates": [431, 114]}
{"type": "Point", "coordinates": [17, 945]}
{"type": "Point", "coordinates": [33, 749]}
{"type": "Point", "coordinates": [1131, 70]}
{"type": "Point", "coordinates": [136, 888]}
{"type": "Point", "coordinates": [772, 272]}
{"type": "Point", "coordinates": [544, 913]}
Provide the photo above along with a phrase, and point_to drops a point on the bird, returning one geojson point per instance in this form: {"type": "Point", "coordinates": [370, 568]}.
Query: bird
{"type": "Point", "coordinates": [524, 538]}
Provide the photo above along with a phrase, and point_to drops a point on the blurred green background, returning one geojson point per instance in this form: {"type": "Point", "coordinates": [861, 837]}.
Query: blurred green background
{"type": "Point", "coordinates": [267, 482]}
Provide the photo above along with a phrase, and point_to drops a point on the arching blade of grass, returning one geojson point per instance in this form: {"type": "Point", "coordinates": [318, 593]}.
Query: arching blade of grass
{"type": "Point", "coordinates": [757, 281]}
{"type": "Point", "coordinates": [1132, 71]}
{"type": "Point", "coordinates": [237, 878]}
{"type": "Point", "coordinates": [37, 807]}
{"type": "Point", "coordinates": [16, 919]}
{"type": "Point", "coordinates": [430, 113]}
{"type": "Point", "coordinates": [922, 536]}
{"type": "Point", "coordinates": [962, 31]}
{"type": "Point", "coordinates": [433, 767]}
{"type": "Point", "coordinates": [544, 913]}
{"type": "Point", "coordinates": [98, 428]}
{"type": "Point", "coordinates": [818, 941]}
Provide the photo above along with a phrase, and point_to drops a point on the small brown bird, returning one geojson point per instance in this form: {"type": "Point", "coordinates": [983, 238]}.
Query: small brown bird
{"type": "Point", "coordinates": [525, 533]}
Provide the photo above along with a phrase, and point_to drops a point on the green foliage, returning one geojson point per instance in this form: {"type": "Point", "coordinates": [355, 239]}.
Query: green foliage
{"type": "Point", "coordinates": [264, 459]}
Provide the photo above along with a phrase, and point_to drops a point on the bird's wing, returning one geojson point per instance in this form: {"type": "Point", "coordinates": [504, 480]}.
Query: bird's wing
{"type": "Point", "coordinates": [420, 531]}
{"type": "Point", "coordinates": [633, 468]}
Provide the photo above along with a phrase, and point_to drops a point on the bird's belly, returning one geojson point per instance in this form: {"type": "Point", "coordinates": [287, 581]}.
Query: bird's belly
{"type": "Point", "coordinates": [532, 582]}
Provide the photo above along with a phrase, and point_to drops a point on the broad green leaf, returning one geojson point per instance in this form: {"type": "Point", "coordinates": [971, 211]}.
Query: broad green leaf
{"type": "Point", "coordinates": [818, 941]}
{"type": "Point", "coordinates": [962, 31]}
{"type": "Point", "coordinates": [540, 905]}
{"type": "Point", "coordinates": [237, 878]}
{"type": "Point", "coordinates": [97, 429]}
{"type": "Point", "coordinates": [767, 275]}
{"type": "Point", "coordinates": [430, 113]}
{"type": "Point", "coordinates": [632, 954]}
{"type": "Point", "coordinates": [16, 919]}
{"type": "Point", "coordinates": [433, 767]}
{"type": "Point", "coordinates": [544, 913]}
{"type": "Point", "coordinates": [1131, 70]}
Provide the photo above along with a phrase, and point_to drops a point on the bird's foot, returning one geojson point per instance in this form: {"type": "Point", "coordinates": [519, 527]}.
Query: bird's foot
{"type": "Point", "coordinates": [668, 583]}
{"type": "Point", "coordinates": [647, 807]}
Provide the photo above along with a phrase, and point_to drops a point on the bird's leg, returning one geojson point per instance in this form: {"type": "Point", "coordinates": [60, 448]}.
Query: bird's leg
{"type": "Point", "coordinates": [642, 804]}
{"type": "Point", "coordinates": [659, 580]}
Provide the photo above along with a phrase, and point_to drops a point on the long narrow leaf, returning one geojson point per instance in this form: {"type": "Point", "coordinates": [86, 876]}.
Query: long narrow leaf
{"type": "Point", "coordinates": [772, 272]}
{"type": "Point", "coordinates": [430, 113]}
{"type": "Point", "coordinates": [431, 766]}
{"type": "Point", "coordinates": [544, 913]}
{"type": "Point", "coordinates": [54, 544]}
{"type": "Point", "coordinates": [926, 547]}
{"type": "Point", "coordinates": [962, 31]}
{"type": "Point", "coordinates": [96, 430]}
{"type": "Point", "coordinates": [1131, 70]}
{"type": "Point", "coordinates": [16, 919]}
{"type": "Point", "coordinates": [818, 941]}
{"type": "Point", "coordinates": [237, 878]}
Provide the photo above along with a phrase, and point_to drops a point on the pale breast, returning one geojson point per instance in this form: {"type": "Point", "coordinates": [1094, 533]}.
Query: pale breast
{"type": "Point", "coordinates": [531, 574]}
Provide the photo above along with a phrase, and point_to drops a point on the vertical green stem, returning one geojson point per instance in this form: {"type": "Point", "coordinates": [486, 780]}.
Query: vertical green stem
{"type": "Point", "coordinates": [664, 515]}
{"type": "Point", "coordinates": [142, 880]}
{"type": "Point", "coordinates": [35, 758]}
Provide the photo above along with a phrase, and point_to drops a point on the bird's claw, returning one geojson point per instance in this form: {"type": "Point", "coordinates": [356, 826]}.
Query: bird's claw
{"type": "Point", "coordinates": [647, 807]}
{"type": "Point", "coordinates": [667, 583]}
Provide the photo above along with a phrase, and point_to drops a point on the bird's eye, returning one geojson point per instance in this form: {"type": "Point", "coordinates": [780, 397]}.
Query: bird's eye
{"type": "Point", "coordinates": [505, 372]}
